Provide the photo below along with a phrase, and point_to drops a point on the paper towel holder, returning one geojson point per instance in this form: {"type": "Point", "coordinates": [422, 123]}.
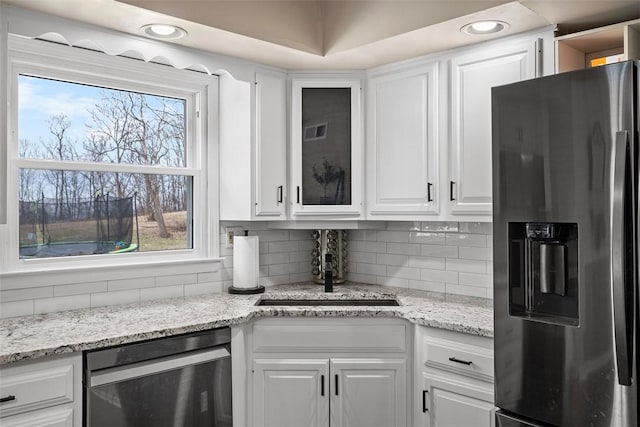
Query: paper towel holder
{"type": "Point", "coordinates": [257, 290]}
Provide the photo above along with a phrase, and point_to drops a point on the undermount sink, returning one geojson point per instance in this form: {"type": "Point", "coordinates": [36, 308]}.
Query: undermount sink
{"type": "Point", "coordinates": [326, 302]}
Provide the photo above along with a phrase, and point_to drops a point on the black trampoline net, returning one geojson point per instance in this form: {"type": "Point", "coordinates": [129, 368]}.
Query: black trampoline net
{"type": "Point", "coordinates": [49, 228]}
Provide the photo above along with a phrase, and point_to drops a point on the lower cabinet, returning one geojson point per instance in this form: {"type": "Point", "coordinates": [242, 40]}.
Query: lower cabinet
{"type": "Point", "coordinates": [44, 392]}
{"type": "Point", "coordinates": [455, 385]}
{"type": "Point", "coordinates": [328, 372]}
{"type": "Point", "coordinates": [449, 402]}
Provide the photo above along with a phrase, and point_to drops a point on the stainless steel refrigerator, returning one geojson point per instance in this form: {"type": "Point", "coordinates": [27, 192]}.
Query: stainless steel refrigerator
{"type": "Point", "coordinates": [565, 197]}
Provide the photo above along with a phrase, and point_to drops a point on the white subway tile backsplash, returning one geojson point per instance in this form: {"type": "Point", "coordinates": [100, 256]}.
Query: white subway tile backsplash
{"type": "Point", "coordinates": [117, 297]}
{"type": "Point", "coordinates": [366, 246]}
{"type": "Point", "coordinates": [485, 254]}
{"type": "Point", "coordinates": [288, 246]}
{"type": "Point", "coordinates": [371, 269]}
{"type": "Point", "coordinates": [201, 288]}
{"type": "Point", "coordinates": [404, 272]}
{"type": "Point", "coordinates": [430, 238]}
{"type": "Point", "coordinates": [178, 279]}
{"type": "Point", "coordinates": [439, 251]}
{"type": "Point", "coordinates": [16, 308]}
{"type": "Point", "coordinates": [424, 285]}
{"type": "Point", "coordinates": [389, 259]}
{"type": "Point", "coordinates": [393, 236]}
{"type": "Point", "coordinates": [446, 257]}
{"type": "Point", "coordinates": [162, 292]}
{"type": "Point", "coordinates": [279, 269]}
{"type": "Point", "coordinates": [439, 226]}
{"type": "Point", "coordinates": [463, 239]}
{"type": "Point", "coordinates": [277, 258]}
{"type": "Point", "coordinates": [210, 276]}
{"type": "Point", "coordinates": [472, 279]}
{"type": "Point", "coordinates": [439, 276]}
{"type": "Point", "coordinates": [393, 281]}
{"type": "Point", "coordinates": [80, 288]}
{"type": "Point", "coordinates": [466, 265]}
{"type": "Point", "coordinates": [366, 257]}
{"type": "Point", "coordinates": [472, 291]}
{"type": "Point", "coordinates": [26, 294]}
{"type": "Point", "coordinates": [133, 283]}
{"type": "Point", "coordinates": [72, 302]}
{"type": "Point", "coordinates": [403, 248]}
{"type": "Point", "coordinates": [427, 262]}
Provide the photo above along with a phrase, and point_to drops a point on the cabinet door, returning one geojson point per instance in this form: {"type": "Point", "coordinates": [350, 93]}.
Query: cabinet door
{"type": "Point", "coordinates": [368, 392]}
{"type": "Point", "coordinates": [290, 392]}
{"type": "Point", "coordinates": [271, 146]}
{"type": "Point", "coordinates": [472, 77]}
{"type": "Point", "coordinates": [402, 155]}
{"type": "Point", "coordinates": [326, 148]}
{"type": "Point", "coordinates": [452, 402]}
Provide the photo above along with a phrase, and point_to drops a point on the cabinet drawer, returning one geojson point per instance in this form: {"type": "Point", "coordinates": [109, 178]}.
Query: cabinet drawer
{"type": "Point", "coordinates": [352, 336]}
{"type": "Point", "coordinates": [460, 358]}
{"type": "Point", "coordinates": [35, 389]}
{"type": "Point", "coordinates": [53, 417]}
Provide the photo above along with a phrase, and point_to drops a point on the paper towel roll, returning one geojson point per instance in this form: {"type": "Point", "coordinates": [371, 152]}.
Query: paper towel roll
{"type": "Point", "coordinates": [245, 262]}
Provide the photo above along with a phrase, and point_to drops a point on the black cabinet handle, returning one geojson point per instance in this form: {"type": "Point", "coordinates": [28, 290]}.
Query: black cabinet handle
{"type": "Point", "coordinates": [464, 362]}
{"type": "Point", "coordinates": [7, 398]}
{"type": "Point", "coordinates": [298, 194]}
{"type": "Point", "coordinates": [429, 198]}
{"type": "Point", "coordinates": [321, 385]}
{"type": "Point", "coordinates": [280, 188]}
{"type": "Point", "coordinates": [424, 400]}
{"type": "Point", "coordinates": [451, 185]}
{"type": "Point", "coordinates": [336, 384]}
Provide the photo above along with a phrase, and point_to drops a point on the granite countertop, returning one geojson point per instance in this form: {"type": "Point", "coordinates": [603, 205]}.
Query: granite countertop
{"type": "Point", "coordinates": [31, 337]}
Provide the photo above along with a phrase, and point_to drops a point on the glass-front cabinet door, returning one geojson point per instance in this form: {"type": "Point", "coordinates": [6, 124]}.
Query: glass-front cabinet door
{"type": "Point", "coordinates": [327, 149]}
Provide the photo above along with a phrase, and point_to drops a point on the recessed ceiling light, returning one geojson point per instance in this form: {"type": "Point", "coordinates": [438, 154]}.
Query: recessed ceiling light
{"type": "Point", "coordinates": [480, 28]}
{"type": "Point", "coordinates": [163, 31]}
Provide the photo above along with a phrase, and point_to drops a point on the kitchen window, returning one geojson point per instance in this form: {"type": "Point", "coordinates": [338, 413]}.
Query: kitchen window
{"type": "Point", "coordinates": [108, 159]}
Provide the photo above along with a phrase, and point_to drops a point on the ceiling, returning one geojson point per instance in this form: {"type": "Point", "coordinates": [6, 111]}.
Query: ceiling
{"type": "Point", "coordinates": [348, 34]}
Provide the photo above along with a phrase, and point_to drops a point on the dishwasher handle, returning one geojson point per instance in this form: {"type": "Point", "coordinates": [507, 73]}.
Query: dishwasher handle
{"type": "Point", "coordinates": [140, 369]}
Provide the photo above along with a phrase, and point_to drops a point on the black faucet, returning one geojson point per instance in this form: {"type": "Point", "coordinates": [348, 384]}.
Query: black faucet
{"type": "Point", "coordinates": [328, 273]}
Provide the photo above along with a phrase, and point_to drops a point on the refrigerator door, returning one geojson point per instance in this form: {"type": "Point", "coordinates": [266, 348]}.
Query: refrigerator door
{"type": "Point", "coordinates": [564, 179]}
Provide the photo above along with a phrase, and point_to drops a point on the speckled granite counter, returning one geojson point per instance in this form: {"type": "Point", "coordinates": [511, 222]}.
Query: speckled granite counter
{"type": "Point", "coordinates": [32, 337]}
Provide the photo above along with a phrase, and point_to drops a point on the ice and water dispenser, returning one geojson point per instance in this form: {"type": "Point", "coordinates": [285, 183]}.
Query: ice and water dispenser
{"type": "Point", "coordinates": [543, 271]}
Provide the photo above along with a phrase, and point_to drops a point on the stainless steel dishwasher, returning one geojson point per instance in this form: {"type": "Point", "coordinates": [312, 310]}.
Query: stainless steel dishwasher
{"type": "Point", "coordinates": [183, 380]}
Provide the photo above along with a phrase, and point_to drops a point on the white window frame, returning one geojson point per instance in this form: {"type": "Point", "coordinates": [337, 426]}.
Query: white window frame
{"type": "Point", "coordinates": [200, 91]}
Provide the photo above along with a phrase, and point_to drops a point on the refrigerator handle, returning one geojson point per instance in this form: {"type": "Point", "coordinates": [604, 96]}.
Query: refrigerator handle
{"type": "Point", "coordinates": [618, 247]}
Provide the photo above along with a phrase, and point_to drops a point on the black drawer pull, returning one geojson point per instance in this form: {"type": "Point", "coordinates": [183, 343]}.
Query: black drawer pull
{"type": "Point", "coordinates": [280, 188]}
{"type": "Point", "coordinates": [321, 385]}
{"type": "Point", "coordinates": [298, 194]}
{"type": "Point", "coordinates": [429, 198]}
{"type": "Point", "coordinates": [336, 384]}
{"type": "Point", "coordinates": [7, 398]}
{"type": "Point", "coordinates": [464, 362]}
{"type": "Point", "coordinates": [451, 197]}
{"type": "Point", "coordinates": [424, 401]}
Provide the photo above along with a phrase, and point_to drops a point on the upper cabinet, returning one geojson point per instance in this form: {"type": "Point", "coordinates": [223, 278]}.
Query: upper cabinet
{"type": "Point", "coordinates": [402, 154]}
{"type": "Point", "coordinates": [253, 158]}
{"type": "Point", "coordinates": [271, 146]}
{"type": "Point", "coordinates": [472, 75]}
{"type": "Point", "coordinates": [326, 148]}
{"type": "Point", "coordinates": [599, 46]}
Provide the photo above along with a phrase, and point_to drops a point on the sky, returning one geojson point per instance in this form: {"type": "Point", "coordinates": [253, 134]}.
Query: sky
{"type": "Point", "coordinates": [39, 99]}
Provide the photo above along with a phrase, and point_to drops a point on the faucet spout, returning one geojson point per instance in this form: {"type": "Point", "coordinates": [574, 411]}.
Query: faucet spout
{"type": "Point", "coordinates": [328, 273]}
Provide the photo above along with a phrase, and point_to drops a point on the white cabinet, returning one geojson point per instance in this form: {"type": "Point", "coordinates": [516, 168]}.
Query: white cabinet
{"type": "Point", "coordinates": [402, 155]}
{"type": "Point", "coordinates": [323, 392]}
{"type": "Point", "coordinates": [368, 392]}
{"type": "Point", "coordinates": [43, 392]}
{"type": "Point", "coordinates": [253, 169]}
{"type": "Point", "coordinates": [472, 75]}
{"type": "Point", "coordinates": [452, 403]}
{"type": "Point", "coordinates": [455, 387]}
{"type": "Point", "coordinates": [271, 146]}
{"type": "Point", "coordinates": [326, 149]}
{"type": "Point", "coordinates": [290, 392]}
{"type": "Point", "coordinates": [320, 372]}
